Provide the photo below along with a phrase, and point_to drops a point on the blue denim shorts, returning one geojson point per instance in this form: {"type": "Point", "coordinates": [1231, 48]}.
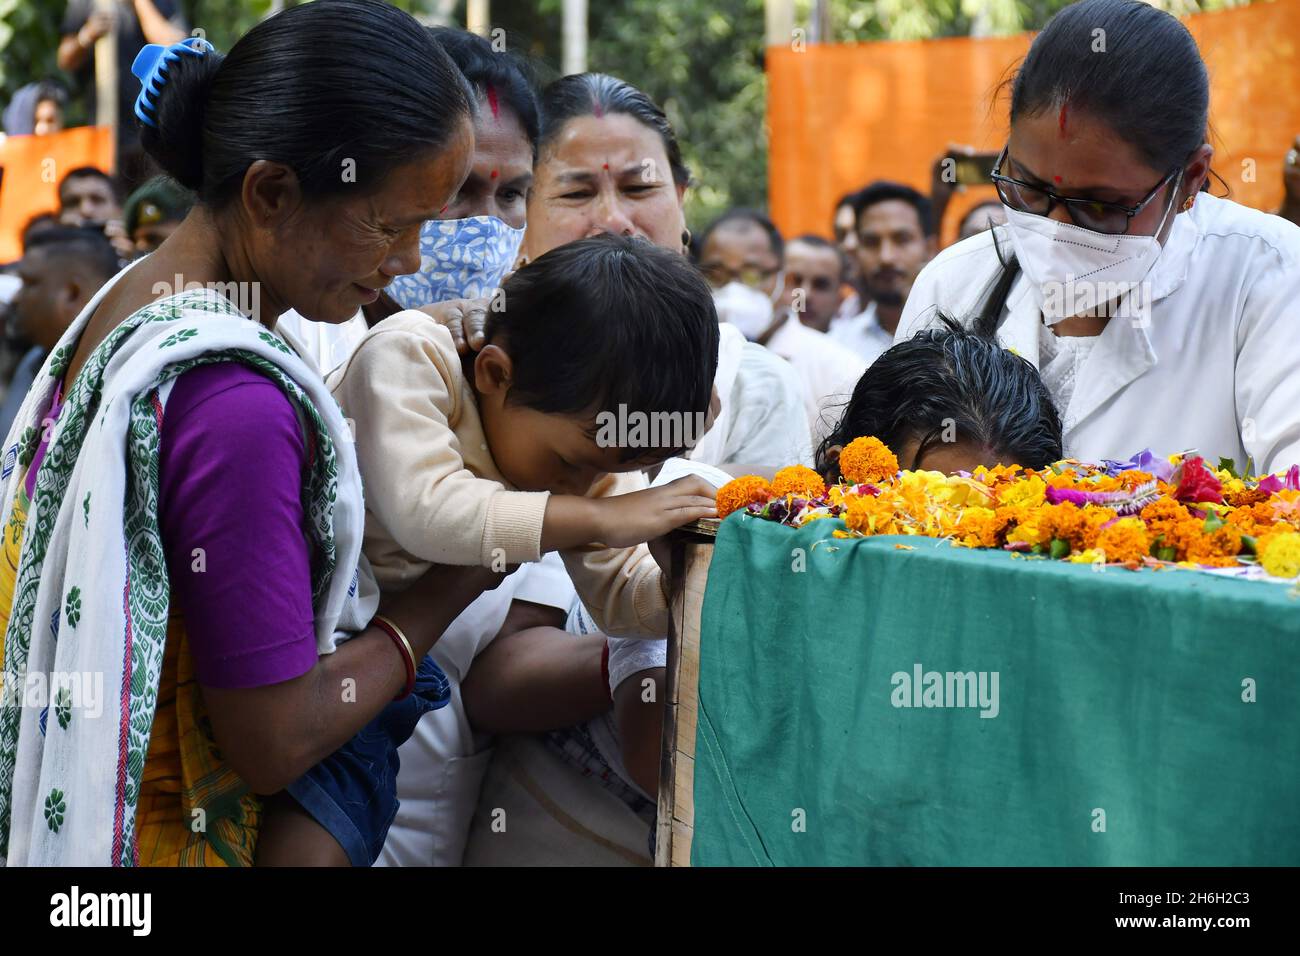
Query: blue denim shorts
{"type": "Point", "coordinates": [352, 793]}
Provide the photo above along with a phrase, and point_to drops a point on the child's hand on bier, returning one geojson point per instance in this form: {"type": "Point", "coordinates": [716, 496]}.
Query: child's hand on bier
{"type": "Point", "coordinates": [465, 319]}
{"type": "Point", "coordinates": [632, 519]}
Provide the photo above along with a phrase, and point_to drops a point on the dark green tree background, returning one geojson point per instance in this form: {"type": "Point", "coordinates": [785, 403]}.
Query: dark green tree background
{"type": "Point", "coordinates": [702, 60]}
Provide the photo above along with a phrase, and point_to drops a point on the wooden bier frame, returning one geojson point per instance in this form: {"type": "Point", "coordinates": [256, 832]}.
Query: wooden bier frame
{"type": "Point", "coordinates": [692, 551]}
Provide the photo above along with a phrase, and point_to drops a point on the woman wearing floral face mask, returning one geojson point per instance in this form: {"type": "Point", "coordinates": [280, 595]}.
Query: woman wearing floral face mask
{"type": "Point", "coordinates": [1160, 316]}
{"type": "Point", "coordinates": [465, 251]}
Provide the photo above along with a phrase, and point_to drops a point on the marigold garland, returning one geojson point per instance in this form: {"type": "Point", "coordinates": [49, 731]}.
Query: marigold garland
{"type": "Point", "coordinates": [1147, 510]}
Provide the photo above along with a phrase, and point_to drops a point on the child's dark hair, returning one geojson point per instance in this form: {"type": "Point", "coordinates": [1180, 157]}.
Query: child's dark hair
{"type": "Point", "coordinates": [956, 380]}
{"type": "Point", "coordinates": [609, 322]}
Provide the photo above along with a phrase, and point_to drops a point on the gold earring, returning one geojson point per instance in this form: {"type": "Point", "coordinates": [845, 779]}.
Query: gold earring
{"type": "Point", "coordinates": [1188, 203]}
{"type": "Point", "coordinates": [686, 238]}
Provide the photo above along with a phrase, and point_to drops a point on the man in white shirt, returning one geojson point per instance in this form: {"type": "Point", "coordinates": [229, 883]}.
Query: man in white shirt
{"type": "Point", "coordinates": [814, 274]}
{"type": "Point", "coordinates": [744, 248]}
{"type": "Point", "coordinates": [896, 238]}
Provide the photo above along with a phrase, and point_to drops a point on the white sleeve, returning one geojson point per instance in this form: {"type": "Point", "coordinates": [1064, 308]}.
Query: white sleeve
{"type": "Point", "coordinates": [1268, 357]}
{"type": "Point", "coordinates": [769, 424]}
{"type": "Point", "coordinates": [546, 582]}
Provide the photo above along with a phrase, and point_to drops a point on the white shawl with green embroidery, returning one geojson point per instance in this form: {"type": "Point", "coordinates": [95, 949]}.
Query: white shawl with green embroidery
{"type": "Point", "coordinates": [92, 590]}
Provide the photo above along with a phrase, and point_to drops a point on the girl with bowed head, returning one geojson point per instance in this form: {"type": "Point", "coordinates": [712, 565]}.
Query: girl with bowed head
{"type": "Point", "coordinates": [183, 503]}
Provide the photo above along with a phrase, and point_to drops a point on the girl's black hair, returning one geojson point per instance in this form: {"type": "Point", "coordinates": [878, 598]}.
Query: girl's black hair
{"type": "Point", "coordinates": [595, 94]}
{"type": "Point", "coordinates": [508, 75]}
{"type": "Point", "coordinates": [1126, 63]}
{"type": "Point", "coordinates": [312, 87]}
{"type": "Point", "coordinates": [611, 323]}
{"type": "Point", "coordinates": [951, 380]}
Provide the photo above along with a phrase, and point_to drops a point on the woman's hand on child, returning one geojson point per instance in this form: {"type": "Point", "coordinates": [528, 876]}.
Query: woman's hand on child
{"type": "Point", "coordinates": [632, 519]}
{"type": "Point", "coordinates": [465, 319]}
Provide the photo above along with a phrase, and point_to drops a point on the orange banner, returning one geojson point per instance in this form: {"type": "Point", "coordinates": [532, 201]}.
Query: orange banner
{"type": "Point", "coordinates": [33, 167]}
{"type": "Point", "coordinates": [841, 115]}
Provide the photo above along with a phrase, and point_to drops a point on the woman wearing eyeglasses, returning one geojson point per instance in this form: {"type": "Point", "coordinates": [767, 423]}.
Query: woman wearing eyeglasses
{"type": "Point", "coordinates": [1159, 316]}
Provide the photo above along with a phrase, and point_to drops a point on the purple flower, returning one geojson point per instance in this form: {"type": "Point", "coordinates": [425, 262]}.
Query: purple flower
{"type": "Point", "coordinates": [1144, 460]}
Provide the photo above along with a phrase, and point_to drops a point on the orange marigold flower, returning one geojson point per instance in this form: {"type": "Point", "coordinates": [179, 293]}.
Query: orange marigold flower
{"type": "Point", "coordinates": [798, 480]}
{"type": "Point", "coordinates": [1125, 540]}
{"type": "Point", "coordinates": [867, 459]}
{"type": "Point", "coordinates": [867, 514]}
{"type": "Point", "coordinates": [739, 493]}
{"type": "Point", "coordinates": [1093, 519]}
{"type": "Point", "coordinates": [1245, 497]}
{"type": "Point", "coordinates": [1065, 521]}
{"type": "Point", "coordinates": [1133, 478]}
{"type": "Point", "coordinates": [1218, 548]}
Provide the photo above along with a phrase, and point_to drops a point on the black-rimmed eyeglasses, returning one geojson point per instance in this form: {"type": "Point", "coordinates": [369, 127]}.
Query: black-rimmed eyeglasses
{"type": "Point", "coordinates": [1107, 217]}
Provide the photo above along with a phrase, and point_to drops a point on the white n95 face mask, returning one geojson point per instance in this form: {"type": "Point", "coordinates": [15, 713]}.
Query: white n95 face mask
{"type": "Point", "coordinates": [1073, 269]}
{"type": "Point", "coordinates": [747, 309]}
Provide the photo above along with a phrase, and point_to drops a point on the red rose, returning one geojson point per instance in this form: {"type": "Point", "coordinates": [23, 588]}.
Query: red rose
{"type": "Point", "coordinates": [1198, 483]}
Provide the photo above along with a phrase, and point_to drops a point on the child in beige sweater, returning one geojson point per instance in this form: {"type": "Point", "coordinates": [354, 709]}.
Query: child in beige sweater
{"type": "Point", "coordinates": [599, 363]}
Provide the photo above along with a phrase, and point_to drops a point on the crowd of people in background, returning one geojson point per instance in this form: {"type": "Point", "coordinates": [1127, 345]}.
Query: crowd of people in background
{"type": "Point", "coordinates": [396, 483]}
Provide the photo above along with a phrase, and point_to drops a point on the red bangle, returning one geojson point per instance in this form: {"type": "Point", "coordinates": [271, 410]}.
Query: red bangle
{"type": "Point", "coordinates": [403, 647]}
{"type": "Point", "coordinates": [604, 668]}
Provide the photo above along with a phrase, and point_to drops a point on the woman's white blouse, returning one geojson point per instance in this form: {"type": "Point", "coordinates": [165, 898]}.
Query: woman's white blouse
{"type": "Point", "coordinates": [1214, 365]}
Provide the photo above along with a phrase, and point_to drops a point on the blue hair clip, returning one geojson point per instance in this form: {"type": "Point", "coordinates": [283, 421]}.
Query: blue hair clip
{"type": "Point", "coordinates": [150, 67]}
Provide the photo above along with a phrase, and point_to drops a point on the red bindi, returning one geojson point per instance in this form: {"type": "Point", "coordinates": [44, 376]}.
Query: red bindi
{"type": "Point", "coordinates": [1057, 180]}
{"type": "Point", "coordinates": [604, 166]}
{"type": "Point", "coordinates": [494, 174]}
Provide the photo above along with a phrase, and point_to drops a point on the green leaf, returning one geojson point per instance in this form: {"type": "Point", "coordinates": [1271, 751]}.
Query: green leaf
{"type": "Point", "coordinates": [1248, 544]}
{"type": "Point", "coordinates": [1230, 466]}
{"type": "Point", "coordinates": [1060, 549]}
{"type": "Point", "coordinates": [1213, 522]}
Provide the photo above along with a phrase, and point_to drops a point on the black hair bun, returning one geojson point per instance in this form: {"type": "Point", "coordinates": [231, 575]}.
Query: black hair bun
{"type": "Point", "coordinates": [176, 142]}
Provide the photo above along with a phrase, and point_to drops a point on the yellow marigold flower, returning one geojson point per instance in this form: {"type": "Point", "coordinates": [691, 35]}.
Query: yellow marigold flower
{"type": "Point", "coordinates": [1280, 554]}
{"type": "Point", "coordinates": [798, 480]}
{"type": "Point", "coordinates": [739, 493]}
{"type": "Point", "coordinates": [868, 515]}
{"type": "Point", "coordinates": [1125, 540]}
{"type": "Point", "coordinates": [962, 492]}
{"type": "Point", "coordinates": [1087, 557]}
{"type": "Point", "coordinates": [1028, 532]}
{"type": "Point", "coordinates": [867, 459]}
{"type": "Point", "coordinates": [1027, 493]}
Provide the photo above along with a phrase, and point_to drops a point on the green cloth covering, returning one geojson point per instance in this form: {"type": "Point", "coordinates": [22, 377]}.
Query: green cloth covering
{"type": "Point", "coordinates": [1118, 690]}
